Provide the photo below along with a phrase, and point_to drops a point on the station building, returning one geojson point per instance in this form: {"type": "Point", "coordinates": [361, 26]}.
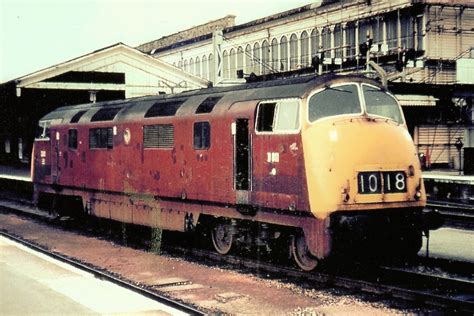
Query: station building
{"type": "Point", "coordinates": [425, 48]}
{"type": "Point", "coordinates": [115, 72]}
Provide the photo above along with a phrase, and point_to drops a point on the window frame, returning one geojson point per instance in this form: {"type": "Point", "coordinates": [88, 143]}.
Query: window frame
{"type": "Point", "coordinates": [194, 135]}
{"type": "Point", "coordinates": [403, 122]}
{"type": "Point", "coordinates": [210, 98]}
{"type": "Point", "coordinates": [77, 117]}
{"type": "Point", "coordinates": [107, 147]}
{"type": "Point", "coordinates": [359, 93]}
{"type": "Point", "coordinates": [69, 139]}
{"type": "Point", "coordinates": [275, 116]}
{"type": "Point", "coordinates": [97, 117]}
{"type": "Point", "coordinates": [156, 109]}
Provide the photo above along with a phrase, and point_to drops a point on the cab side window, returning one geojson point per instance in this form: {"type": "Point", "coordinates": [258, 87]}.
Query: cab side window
{"type": "Point", "coordinates": [202, 135]}
{"type": "Point", "coordinates": [72, 138]}
{"type": "Point", "coordinates": [278, 116]}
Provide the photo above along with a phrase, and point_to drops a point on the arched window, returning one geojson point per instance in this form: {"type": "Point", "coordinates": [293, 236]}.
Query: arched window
{"type": "Point", "coordinates": [407, 28]}
{"type": "Point", "coordinates": [350, 40]}
{"type": "Point", "coordinates": [191, 66]}
{"type": "Point", "coordinates": [240, 58]}
{"type": "Point", "coordinates": [197, 65]}
{"type": "Point", "coordinates": [225, 65]}
{"type": "Point", "coordinates": [180, 64]}
{"type": "Point", "coordinates": [314, 42]}
{"type": "Point", "coordinates": [391, 25]}
{"type": "Point", "coordinates": [265, 57]}
{"type": "Point", "coordinates": [377, 29]}
{"type": "Point", "coordinates": [185, 67]}
{"type": "Point", "coordinates": [211, 67]}
{"type": "Point", "coordinates": [248, 59]}
{"type": "Point", "coordinates": [256, 59]}
{"type": "Point", "coordinates": [205, 70]}
{"type": "Point", "coordinates": [338, 41]}
{"type": "Point", "coordinates": [283, 54]}
{"type": "Point", "coordinates": [233, 68]}
{"type": "Point", "coordinates": [293, 51]}
{"type": "Point", "coordinates": [304, 44]}
{"type": "Point", "coordinates": [364, 30]}
{"type": "Point", "coordinates": [326, 41]}
{"type": "Point", "coordinates": [274, 49]}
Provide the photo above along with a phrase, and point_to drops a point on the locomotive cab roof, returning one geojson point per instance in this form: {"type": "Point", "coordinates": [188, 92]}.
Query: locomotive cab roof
{"type": "Point", "coordinates": [188, 101]}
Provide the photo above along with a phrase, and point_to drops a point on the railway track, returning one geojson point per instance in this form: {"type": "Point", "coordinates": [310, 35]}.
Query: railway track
{"type": "Point", "coordinates": [455, 214]}
{"type": "Point", "coordinates": [398, 281]}
{"type": "Point", "coordinates": [452, 294]}
{"type": "Point", "coordinates": [104, 275]}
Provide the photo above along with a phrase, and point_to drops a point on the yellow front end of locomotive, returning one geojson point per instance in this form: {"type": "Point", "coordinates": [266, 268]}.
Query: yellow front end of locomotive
{"type": "Point", "coordinates": [360, 162]}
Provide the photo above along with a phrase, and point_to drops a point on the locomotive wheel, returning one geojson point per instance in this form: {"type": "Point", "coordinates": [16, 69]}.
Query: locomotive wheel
{"type": "Point", "coordinates": [304, 259]}
{"type": "Point", "coordinates": [222, 237]}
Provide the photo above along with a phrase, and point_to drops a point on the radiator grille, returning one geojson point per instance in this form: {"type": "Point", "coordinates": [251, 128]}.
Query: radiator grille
{"type": "Point", "coordinates": [158, 136]}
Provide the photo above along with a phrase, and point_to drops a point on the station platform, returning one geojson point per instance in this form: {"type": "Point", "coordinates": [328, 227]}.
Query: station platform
{"type": "Point", "coordinates": [35, 284]}
{"type": "Point", "coordinates": [448, 176]}
{"type": "Point", "coordinates": [450, 243]}
{"type": "Point", "coordinates": [449, 186]}
{"type": "Point", "coordinates": [22, 173]}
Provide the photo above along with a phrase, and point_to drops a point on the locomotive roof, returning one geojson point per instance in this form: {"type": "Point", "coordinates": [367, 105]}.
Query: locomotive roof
{"type": "Point", "coordinates": [295, 87]}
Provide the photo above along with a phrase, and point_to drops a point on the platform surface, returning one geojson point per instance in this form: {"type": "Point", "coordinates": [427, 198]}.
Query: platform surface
{"type": "Point", "coordinates": [22, 173]}
{"type": "Point", "coordinates": [35, 284]}
{"type": "Point", "coordinates": [448, 176]}
{"type": "Point", "coordinates": [450, 243]}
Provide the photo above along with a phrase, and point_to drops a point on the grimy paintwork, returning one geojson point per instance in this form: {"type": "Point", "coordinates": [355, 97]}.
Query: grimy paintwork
{"type": "Point", "coordinates": [297, 181]}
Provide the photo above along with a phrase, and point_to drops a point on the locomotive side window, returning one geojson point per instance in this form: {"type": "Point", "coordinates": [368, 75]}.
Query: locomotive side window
{"type": "Point", "coordinates": [207, 105]}
{"type": "Point", "coordinates": [158, 136]}
{"type": "Point", "coordinates": [265, 117]}
{"type": "Point", "coordinates": [381, 103]}
{"type": "Point", "coordinates": [164, 108]}
{"type": "Point", "coordinates": [202, 135]}
{"type": "Point", "coordinates": [288, 118]}
{"type": "Point", "coordinates": [107, 114]}
{"type": "Point", "coordinates": [77, 116]}
{"type": "Point", "coordinates": [334, 101]}
{"type": "Point", "coordinates": [72, 139]}
{"type": "Point", "coordinates": [101, 138]}
{"type": "Point", "coordinates": [278, 117]}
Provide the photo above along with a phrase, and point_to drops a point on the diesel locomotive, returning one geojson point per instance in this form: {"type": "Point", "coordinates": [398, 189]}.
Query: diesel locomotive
{"type": "Point", "coordinates": [324, 164]}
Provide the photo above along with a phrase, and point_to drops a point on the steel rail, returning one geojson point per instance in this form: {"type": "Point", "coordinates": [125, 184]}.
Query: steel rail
{"type": "Point", "coordinates": [455, 214]}
{"type": "Point", "coordinates": [107, 277]}
{"type": "Point", "coordinates": [385, 281]}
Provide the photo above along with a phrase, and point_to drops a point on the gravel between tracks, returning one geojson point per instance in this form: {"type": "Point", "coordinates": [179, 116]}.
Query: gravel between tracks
{"type": "Point", "coordinates": [210, 288]}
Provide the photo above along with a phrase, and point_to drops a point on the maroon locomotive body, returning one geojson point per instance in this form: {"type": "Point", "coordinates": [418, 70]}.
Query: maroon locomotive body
{"type": "Point", "coordinates": [237, 160]}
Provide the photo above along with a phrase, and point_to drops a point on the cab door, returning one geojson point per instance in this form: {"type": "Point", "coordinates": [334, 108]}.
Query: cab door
{"type": "Point", "coordinates": [242, 160]}
{"type": "Point", "coordinates": [55, 156]}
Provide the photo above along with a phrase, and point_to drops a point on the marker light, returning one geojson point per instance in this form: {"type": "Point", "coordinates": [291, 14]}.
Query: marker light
{"type": "Point", "coordinates": [411, 171]}
{"type": "Point", "coordinates": [418, 195]}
